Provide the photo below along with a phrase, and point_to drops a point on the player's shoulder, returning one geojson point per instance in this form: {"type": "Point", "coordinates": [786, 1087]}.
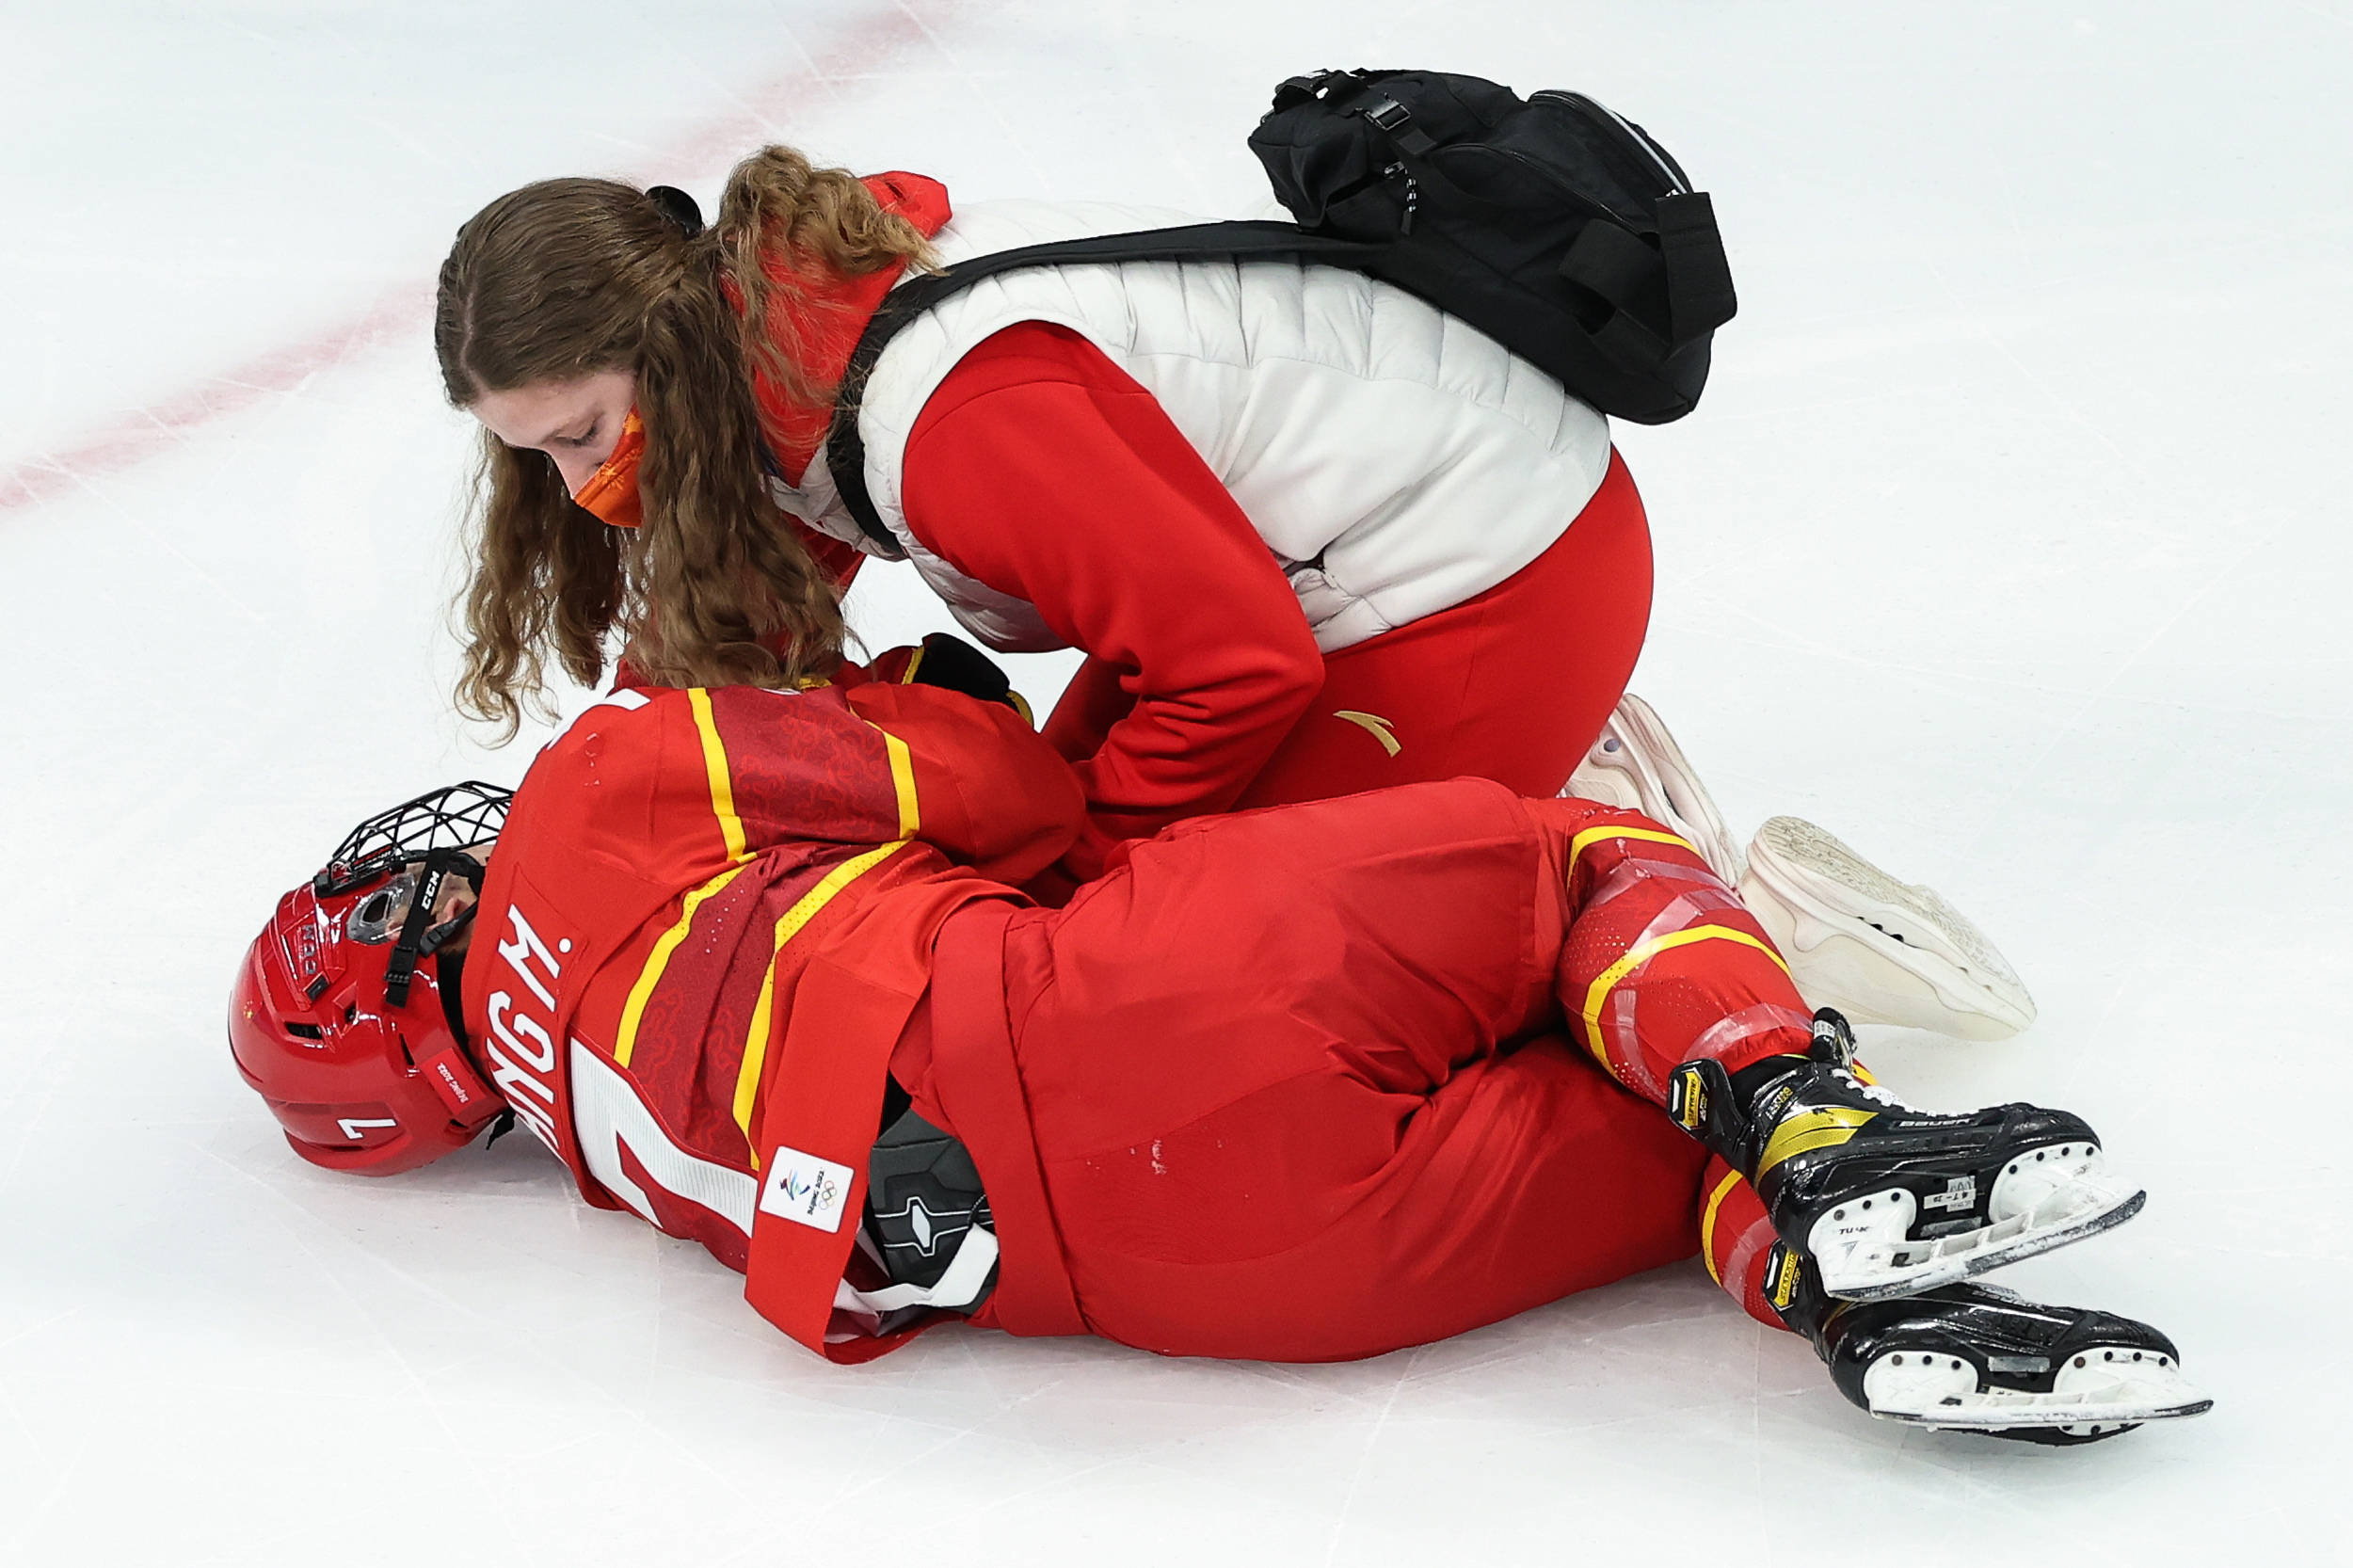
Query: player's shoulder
{"type": "Point", "coordinates": [639, 722]}
{"type": "Point", "coordinates": [623, 708]}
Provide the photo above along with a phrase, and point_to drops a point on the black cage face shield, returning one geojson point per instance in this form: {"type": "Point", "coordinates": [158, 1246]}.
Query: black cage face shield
{"type": "Point", "coordinates": [410, 850]}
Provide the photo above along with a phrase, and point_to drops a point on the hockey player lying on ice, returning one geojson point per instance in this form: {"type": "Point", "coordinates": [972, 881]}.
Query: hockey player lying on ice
{"type": "Point", "coordinates": [1307, 1083]}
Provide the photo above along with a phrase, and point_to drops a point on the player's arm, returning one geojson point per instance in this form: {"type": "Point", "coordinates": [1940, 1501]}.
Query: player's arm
{"type": "Point", "coordinates": [949, 661]}
{"type": "Point", "coordinates": [985, 788]}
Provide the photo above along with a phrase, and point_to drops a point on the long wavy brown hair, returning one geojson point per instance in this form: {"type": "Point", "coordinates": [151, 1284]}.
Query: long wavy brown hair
{"type": "Point", "coordinates": [566, 279]}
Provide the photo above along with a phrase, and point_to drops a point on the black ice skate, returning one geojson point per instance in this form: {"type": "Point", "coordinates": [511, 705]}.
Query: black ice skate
{"type": "Point", "coordinates": [1978, 1358]}
{"type": "Point", "coordinates": [1889, 1201]}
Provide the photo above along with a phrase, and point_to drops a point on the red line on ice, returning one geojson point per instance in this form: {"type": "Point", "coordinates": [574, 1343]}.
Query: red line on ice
{"type": "Point", "coordinates": [142, 433]}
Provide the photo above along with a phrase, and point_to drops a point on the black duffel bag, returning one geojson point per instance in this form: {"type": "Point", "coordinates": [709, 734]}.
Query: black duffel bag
{"type": "Point", "coordinates": [1553, 224]}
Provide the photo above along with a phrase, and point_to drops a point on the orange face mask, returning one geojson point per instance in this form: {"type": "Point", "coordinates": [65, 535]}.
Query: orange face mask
{"type": "Point", "coordinates": [611, 493]}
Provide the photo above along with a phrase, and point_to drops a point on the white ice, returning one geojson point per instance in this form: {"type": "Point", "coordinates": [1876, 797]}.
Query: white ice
{"type": "Point", "coordinates": [2010, 544]}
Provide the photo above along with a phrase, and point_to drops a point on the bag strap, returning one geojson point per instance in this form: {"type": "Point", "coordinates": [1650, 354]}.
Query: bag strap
{"type": "Point", "coordinates": [1615, 265]}
{"type": "Point", "coordinates": [1699, 278]}
{"type": "Point", "coordinates": [845, 449]}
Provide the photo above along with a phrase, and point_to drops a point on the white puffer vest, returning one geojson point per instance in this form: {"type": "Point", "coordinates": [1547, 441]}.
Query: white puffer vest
{"type": "Point", "coordinates": [1395, 460]}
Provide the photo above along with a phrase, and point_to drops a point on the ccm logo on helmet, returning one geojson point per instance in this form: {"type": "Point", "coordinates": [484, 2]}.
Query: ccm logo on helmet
{"type": "Point", "coordinates": [521, 1049]}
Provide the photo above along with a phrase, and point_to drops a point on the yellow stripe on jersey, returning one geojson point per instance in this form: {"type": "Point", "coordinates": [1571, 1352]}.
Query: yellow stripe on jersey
{"type": "Point", "coordinates": [1595, 835]}
{"type": "Point", "coordinates": [902, 782]}
{"type": "Point", "coordinates": [1707, 1222]}
{"type": "Point", "coordinates": [1643, 953]}
{"type": "Point", "coordinates": [788, 926]}
{"type": "Point", "coordinates": [625, 1039]}
{"type": "Point", "coordinates": [715, 765]}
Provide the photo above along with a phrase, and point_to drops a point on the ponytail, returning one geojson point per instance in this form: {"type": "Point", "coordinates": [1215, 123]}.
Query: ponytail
{"type": "Point", "coordinates": [569, 278]}
{"type": "Point", "coordinates": [782, 220]}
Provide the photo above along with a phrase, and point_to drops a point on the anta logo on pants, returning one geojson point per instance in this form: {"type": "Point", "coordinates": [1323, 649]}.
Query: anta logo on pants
{"type": "Point", "coordinates": [1374, 725]}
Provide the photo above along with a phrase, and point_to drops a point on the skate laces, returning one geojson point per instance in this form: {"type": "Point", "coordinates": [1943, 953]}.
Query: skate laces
{"type": "Point", "coordinates": [1869, 1091]}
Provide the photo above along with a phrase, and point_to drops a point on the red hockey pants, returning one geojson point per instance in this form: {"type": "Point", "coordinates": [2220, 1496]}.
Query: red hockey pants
{"type": "Point", "coordinates": [1327, 1080]}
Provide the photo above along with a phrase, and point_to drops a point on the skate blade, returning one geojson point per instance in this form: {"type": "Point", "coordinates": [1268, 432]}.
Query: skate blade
{"type": "Point", "coordinates": [1871, 1270]}
{"type": "Point", "coordinates": [2106, 1387]}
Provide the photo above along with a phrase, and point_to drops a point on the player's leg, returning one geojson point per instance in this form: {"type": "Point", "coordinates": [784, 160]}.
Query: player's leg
{"type": "Point", "coordinates": [1879, 949]}
{"type": "Point", "coordinates": [1511, 684]}
{"type": "Point", "coordinates": [1332, 1216]}
{"type": "Point", "coordinates": [1432, 923]}
{"type": "Point", "coordinates": [1270, 1080]}
{"type": "Point", "coordinates": [1274, 1072]}
{"type": "Point", "coordinates": [1886, 1200]}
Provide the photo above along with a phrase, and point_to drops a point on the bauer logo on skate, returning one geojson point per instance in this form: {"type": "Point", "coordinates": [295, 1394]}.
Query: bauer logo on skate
{"type": "Point", "coordinates": [805, 1189]}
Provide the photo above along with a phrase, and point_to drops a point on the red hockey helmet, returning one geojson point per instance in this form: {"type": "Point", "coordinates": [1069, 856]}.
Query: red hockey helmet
{"type": "Point", "coordinates": [345, 1018]}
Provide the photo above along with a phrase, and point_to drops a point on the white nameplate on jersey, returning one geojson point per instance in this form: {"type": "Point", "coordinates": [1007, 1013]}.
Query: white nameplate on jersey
{"type": "Point", "coordinates": [805, 1189]}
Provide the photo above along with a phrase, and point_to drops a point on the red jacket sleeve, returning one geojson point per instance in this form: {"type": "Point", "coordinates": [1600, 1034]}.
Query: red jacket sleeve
{"type": "Point", "coordinates": [988, 792]}
{"type": "Point", "coordinates": [1043, 470]}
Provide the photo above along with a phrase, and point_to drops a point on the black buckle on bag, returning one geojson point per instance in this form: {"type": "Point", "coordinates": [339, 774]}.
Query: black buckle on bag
{"type": "Point", "coordinates": [1388, 113]}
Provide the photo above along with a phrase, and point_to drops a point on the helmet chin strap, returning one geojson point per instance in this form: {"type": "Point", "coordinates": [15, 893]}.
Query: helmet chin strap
{"type": "Point", "coordinates": [419, 937]}
{"type": "Point", "coordinates": [453, 980]}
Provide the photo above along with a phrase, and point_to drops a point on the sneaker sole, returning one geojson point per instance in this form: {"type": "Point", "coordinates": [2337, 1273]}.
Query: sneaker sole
{"type": "Point", "coordinates": [1815, 893]}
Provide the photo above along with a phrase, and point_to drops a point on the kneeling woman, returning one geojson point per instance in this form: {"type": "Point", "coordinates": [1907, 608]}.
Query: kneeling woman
{"type": "Point", "coordinates": [1309, 1084]}
{"type": "Point", "coordinates": [1313, 536]}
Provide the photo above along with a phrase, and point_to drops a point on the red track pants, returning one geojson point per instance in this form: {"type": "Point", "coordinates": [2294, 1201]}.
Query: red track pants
{"type": "Point", "coordinates": [1512, 685]}
{"type": "Point", "coordinates": [1327, 1080]}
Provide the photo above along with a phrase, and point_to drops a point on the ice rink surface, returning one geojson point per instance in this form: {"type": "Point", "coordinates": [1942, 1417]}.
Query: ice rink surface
{"type": "Point", "coordinates": [2011, 544]}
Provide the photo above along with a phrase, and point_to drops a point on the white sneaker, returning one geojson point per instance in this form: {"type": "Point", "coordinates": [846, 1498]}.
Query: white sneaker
{"type": "Point", "coordinates": [1637, 767]}
{"type": "Point", "coordinates": [1881, 951]}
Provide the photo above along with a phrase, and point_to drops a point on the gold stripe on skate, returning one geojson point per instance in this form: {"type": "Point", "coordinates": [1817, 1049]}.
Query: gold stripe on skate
{"type": "Point", "coordinates": [1643, 953]}
{"type": "Point", "coordinates": [1707, 1222]}
{"type": "Point", "coordinates": [1647, 835]}
{"type": "Point", "coordinates": [1827, 1128]}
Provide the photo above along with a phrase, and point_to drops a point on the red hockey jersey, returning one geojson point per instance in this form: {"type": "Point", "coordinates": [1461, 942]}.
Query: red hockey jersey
{"type": "Point", "coordinates": [707, 923]}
